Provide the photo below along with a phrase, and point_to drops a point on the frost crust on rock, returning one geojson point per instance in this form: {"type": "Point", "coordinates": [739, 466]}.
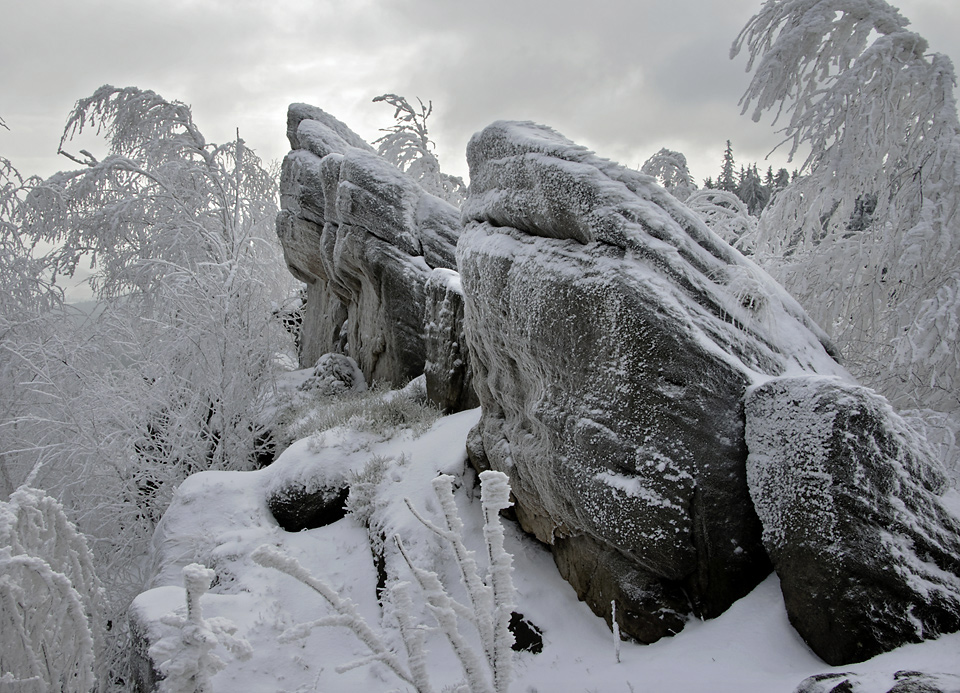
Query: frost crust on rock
{"type": "Point", "coordinates": [364, 237]}
{"type": "Point", "coordinates": [849, 497]}
{"type": "Point", "coordinates": [612, 337]}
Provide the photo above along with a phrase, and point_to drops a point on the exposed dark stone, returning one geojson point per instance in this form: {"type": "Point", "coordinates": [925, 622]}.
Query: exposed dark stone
{"type": "Point", "coordinates": [848, 494]}
{"type": "Point", "coordinates": [648, 607]}
{"type": "Point", "coordinates": [295, 508]}
{"type": "Point", "coordinates": [447, 367]}
{"type": "Point", "coordinates": [144, 677]}
{"type": "Point", "coordinates": [527, 637]}
{"type": "Point", "coordinates": [610, 351]}
{"type": "Point", "coordinates": [903, 682]}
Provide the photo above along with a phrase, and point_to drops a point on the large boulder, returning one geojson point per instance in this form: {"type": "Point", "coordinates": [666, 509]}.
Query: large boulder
{"type": "Point", "coordinates": [365, 237]}
{"type": "Point", "coordinates": [868, 557]}
{"type": "Point", "coordinates": [612, 337]}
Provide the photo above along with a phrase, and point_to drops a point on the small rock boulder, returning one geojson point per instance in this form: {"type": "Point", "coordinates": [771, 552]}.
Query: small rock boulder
{"type": "Point", "coordinates": [335, 374]}
{"type": "Point", "coordinates": [848, 495]}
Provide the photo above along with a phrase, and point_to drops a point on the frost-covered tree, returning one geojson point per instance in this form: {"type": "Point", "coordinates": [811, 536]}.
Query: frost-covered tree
{"type": "Point", "coordinates": [27, 297]}
{"type": "Point", "coordinates": [751, 191]}
{"type": "Point", "coordinates": [51, 602]}
{"type": "Point", "coordinates": [179, 232]}
{"type": "Point", "coordinates": [878, 113]}
{"type": "Point", "coordinates": [727, 180]}
{"type": "Point", "coordinates": [174, 371]}
{"type": "Point", "coordinates": [408, 146]}
{"type": "Point", "coordinates": [671, 171]}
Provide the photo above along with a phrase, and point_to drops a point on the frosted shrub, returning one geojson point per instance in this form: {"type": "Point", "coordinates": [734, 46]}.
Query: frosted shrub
{"type": "Point", "coordinates": [727, 216]}
{"type": "Point", "coordinates": [491, 598]}
{"type": "Point", "coordinates": [51, 602]}
{"type": "Point", "coordinates": [376, 410]}
{"type": "Point", "coordinates": [186, 657]}
{"type": "Point", "coordinates": [361, 501]}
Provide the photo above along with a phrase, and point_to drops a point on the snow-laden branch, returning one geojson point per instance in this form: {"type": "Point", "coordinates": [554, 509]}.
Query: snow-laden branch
{"type": "Point", "coordinates": [869, 238]}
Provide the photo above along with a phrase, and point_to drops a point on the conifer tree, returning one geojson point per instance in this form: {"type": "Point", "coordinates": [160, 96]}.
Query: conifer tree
{"type": "Point", "coordinates": [727, 180]}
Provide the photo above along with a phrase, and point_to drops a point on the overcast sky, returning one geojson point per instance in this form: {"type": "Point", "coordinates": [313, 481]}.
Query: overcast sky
{"type": "Point", "coordinates": [623, 77]}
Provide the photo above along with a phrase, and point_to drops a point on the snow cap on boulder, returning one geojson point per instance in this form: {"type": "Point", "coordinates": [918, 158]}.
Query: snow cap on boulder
{"type": "Point", "coordinates": [849, 497]}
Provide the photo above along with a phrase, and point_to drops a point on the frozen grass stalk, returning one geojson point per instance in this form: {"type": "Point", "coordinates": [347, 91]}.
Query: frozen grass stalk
{"type": "Point", "coordinates": [185, 658]}
{"type": "Point", "coordinates": [616, 629]}
{"type": "Point", "coordinates": [346, 616]}
{"type": "Point", "coordinates": [491, 598]}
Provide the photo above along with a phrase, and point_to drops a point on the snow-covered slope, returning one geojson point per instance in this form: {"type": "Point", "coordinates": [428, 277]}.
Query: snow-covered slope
{"type": "Point", "coordinates": [219, 518]}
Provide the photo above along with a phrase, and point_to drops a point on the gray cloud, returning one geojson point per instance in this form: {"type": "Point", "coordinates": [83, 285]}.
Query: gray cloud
{"type": "Point", "coordinates": [624, 78]}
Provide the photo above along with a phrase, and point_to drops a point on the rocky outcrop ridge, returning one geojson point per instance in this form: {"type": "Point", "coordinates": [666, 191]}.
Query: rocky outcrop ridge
{"type": "Point", "coordinates": [868, 557]}
{"type": "Point", "coordinates": [612, 337]}
{"type": "Point", "coordinates": [365, 238]}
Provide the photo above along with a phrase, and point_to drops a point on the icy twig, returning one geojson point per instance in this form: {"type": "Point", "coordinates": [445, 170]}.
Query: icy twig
{"type": "Point", "coordinates": [272, 557]}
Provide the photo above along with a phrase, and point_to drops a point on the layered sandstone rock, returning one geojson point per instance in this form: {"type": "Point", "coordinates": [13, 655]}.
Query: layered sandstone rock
{"type": "Point", "coordinates": [612, 338]}
{"type": "Point", "coordinates": [365, 238]}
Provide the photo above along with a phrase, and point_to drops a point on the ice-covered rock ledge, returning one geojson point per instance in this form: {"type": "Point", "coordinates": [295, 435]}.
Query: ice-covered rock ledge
{"type": "Point", "coordinates": [613, 336]}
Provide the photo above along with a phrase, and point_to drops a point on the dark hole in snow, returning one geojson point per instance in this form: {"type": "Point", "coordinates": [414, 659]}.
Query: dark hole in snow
{"type": "Point", "coordinates": [265, 448]}
{"type": "Point", "coordinates": [295, 509]}
{"type": "Point", "coordinates": [527, 637]}
{"type": "Point", "coordinates": [380, 563]}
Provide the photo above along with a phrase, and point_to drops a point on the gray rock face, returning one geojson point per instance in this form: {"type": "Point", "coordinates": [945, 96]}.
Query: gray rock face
{"type": "Point", "coordinates": [868, 557]}
{"type": "Point", "coordinates": [900, 682]}
{"type": "Point", "coordinates": [365, 238]}
{"type": "Point", "coordinates": [612, 336]}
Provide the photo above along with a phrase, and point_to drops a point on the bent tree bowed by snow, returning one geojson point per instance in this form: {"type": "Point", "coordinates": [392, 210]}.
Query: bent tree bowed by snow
{"type": "Point", "coordinates": [51, 602]}
{"type": "Point", "coordinates": [869, 238]}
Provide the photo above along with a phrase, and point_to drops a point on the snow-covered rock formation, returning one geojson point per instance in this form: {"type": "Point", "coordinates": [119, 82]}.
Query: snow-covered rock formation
{"type": "Point", "coordinates": [612, 337]}
{"type": "Point", "coordinates": [365, 238]}
{"type": "Point", "coordinates": [849, 497]}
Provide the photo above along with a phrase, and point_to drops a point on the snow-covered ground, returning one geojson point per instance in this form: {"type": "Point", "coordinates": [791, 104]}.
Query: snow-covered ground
{"type": "Point", "coordinates": [219, 518]}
